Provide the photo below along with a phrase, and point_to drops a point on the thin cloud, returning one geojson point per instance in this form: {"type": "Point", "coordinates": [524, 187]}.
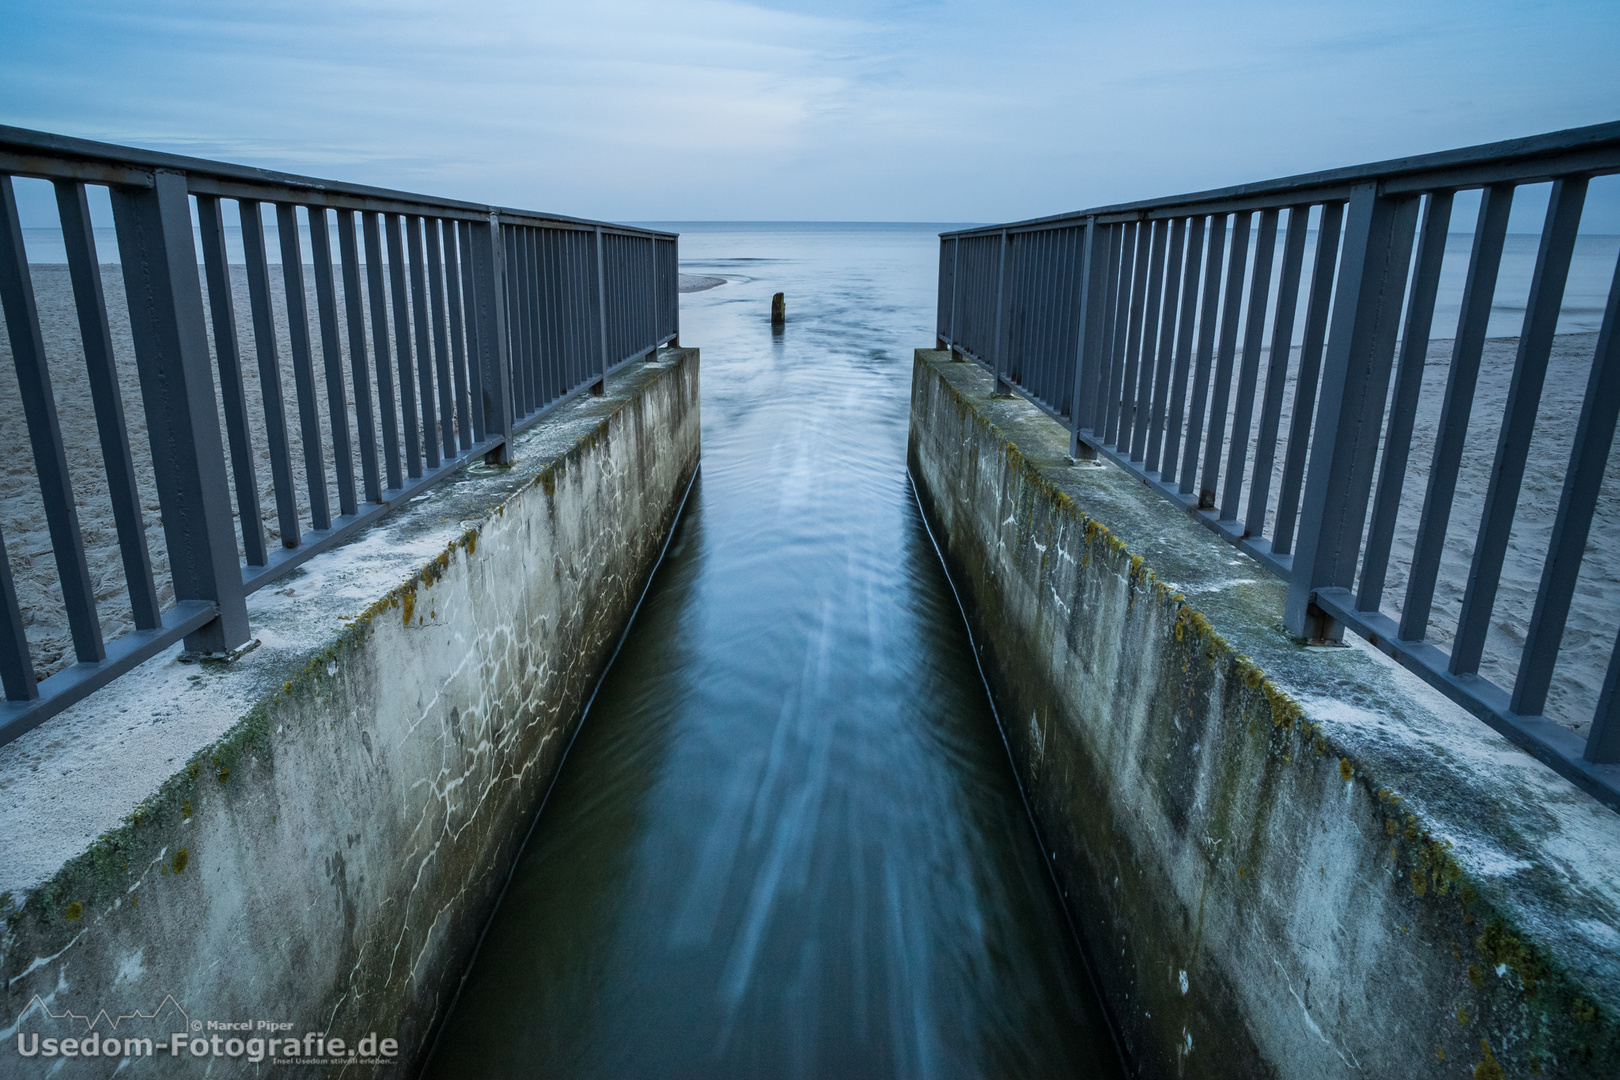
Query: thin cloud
{"type": "Point", "coordinates": [844, 110]}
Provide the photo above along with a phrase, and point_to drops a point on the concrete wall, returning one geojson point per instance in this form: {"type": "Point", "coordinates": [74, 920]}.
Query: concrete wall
{"type": "Point", "coordinates": [315, 834]}
{"type": "Point", "coordinates": [1281, 861]}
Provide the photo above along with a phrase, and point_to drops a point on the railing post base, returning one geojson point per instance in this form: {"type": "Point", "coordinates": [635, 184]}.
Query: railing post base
{"type": "Point", "coordinates": [1355, 378]}
{"type": "Point", "coordinates": [225, 657]}
{"type": "Point", "coordinates": [1314, 626]}
{"type": "Point", "coordinates": [489, 268]}
{"type": "Point", "coordinates": [1079, 450]}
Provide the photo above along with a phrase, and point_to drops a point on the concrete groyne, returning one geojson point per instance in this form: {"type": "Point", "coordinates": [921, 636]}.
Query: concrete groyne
{"type": "Point", "coordinates": [309, 840]}
{"type": "Point", "coordinates": [1280, 860]}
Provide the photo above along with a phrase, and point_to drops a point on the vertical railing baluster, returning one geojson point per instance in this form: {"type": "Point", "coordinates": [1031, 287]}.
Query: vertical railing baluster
{"type": "Point", "coordinates": [1282, 347]}
{"type": "Point", "coordinates": [586, 358]}
{"type": "Point", "coordinates": [1175, 419]}
{"type": "Point", "coordinates": [441, 339]}
{"type": "Point", "coordinates": [532, 361]}
{"type": "Point", "coordinates": [1059, 366]}
{"type": "Point", "coordinates": [1518, 421]}
{"type": "Point", "coordinates": [359, 369]}
{"type": "Point", "coordinates": [1310, 365]}
{"type": "Point", "coordinates": [1058, 304]}
{"type": "Point", "coordinates": [577, 276]}
{"type": "Point", "coordinates": [1355, 382]}
{"type": "Point", "coordinates": [1403, 406]}
{"type": "Point", "coordinates": [458, 338]}
{"type": "Point", "coordinates": [551, 313]}
{"type": "Point", "coordinates": [1120, 328]}
{"type": "Point", "coordinates": [79, 238]}
{"type": "Point", "coordinates": [45, 433]}
{"type": "Point", "coordinates": [1015, 324]}
{"type": "Point", "coordinates": [565, 283]}
{"type": "Point", "coordinates": [547, 375]}
{"type": "Point", "coordinates": [1473, 322]}
{"type": "Point", "coordinates": [1220, 402]}
{"type": "Point", "coordinates": [469, 307]}
{"type": "Point", "coordinates": [520, 285]}
{"type": "Point", "coordinates": [268, 354]}
{"type": "Point", "coordinates": [1119, 396]}
{"type": "Point", "coordinates": [489, 277]}
{"type": "Point", "coordinates": [1093, 293]}
{"type": "Point", "coordinates": [1107, 330]}
{"type": "Point", "coordinates": [1064, 334]}
{"type": "Point", "coordinates": [1603, 740]}
{"type": "Point", "coordinates": [1208, 309]}
{"type": "Point", "coordinates": [404, 354]}
{"type": "Point", "coordinates": [652, 285]}
{"type": "Point", "coordinates": [167, 325]}
{"type": "Point", "coordinates": [1249, 370]}
{"type": "Point", "coordinates": [309, 423]}
{"type": "Point", "coordinates": [674, 294]}
{"type": "Point", "coordinates": [423, 339]}
{"type": "Point", "coordinates": [998, 356]}
{"type": "Point", "coordinates": [601, 313]}
{"type": "Point", "coordinates": [513, 307]}
{"type": "Point", "coordinates": [1583, 484]}
{"type": "Point", "coordinates": [337, 405]}
{"type": "Point", "coordinates": [1133, 435]}
{"type": "Point", "coordinates": [566, 307]}
{"type": "Point", "coordinates": [621, 311]}
{"type": "Point", "coordinates": [1054, 282]}
{"type": "Point", "coordinates": [387, 402]}
{"type": "Point", "coordinates": [1167, 347]}
{"type": "Point", "coordinates": [16, 665]}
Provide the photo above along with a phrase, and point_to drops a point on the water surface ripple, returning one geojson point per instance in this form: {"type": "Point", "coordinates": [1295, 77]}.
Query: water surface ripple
{"type": "Point", "coordinates": [787, 841]}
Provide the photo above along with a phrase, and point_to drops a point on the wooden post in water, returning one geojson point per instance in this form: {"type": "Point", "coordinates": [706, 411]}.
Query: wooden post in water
{"type": "Point", "coordinates": [778, 311]}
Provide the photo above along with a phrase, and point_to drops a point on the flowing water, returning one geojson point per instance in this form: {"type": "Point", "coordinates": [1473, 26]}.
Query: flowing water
{"type": "Point", "coordinates": [787, 841]}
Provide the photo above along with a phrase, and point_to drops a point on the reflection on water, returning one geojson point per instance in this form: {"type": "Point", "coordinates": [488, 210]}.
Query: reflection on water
{"type": "Point", "coordinates": [787, 840]}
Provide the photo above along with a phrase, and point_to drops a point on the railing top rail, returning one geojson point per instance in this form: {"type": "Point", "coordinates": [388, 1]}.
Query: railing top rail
{"type": "Point", "coordinates": [25, 152]}
{"type": "Point", "coordinates": [1594, 149]}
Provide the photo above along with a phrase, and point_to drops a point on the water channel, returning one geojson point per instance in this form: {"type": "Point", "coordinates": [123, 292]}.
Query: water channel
{"type": "Point", "coordinates": [787, 840]}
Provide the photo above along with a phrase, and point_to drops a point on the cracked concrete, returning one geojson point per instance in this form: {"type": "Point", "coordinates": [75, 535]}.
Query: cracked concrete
{"type": "Point", "coordinates": [317, 832]}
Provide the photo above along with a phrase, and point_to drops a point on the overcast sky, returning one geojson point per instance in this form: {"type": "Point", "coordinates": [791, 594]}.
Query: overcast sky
{"type": "Point", "coordinates": [840, 110]}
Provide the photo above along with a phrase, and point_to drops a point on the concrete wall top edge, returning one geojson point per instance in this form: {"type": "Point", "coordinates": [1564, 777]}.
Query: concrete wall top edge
{"type": "Point", "coordinates": [1542, 855]}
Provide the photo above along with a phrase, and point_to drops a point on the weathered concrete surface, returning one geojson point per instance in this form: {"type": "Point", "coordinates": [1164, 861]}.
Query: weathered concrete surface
{"type": "Point", "coordinates": [316, 834]}
{"type": "Point", "coordinates": [1282, 861]}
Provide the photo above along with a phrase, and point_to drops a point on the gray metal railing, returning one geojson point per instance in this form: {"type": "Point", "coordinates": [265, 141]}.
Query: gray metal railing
{"type": "Point", "coordinates": [460, 325]}
{"type": "Point", "coordinates": [1143, 328]}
